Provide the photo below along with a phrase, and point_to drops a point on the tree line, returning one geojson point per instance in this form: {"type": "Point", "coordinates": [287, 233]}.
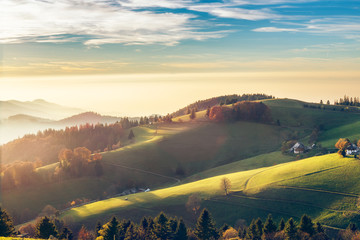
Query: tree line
{"type": "Point", "coordinates": [221, 100]}
{"type": "Point", "coordinates": [163, 227]}
{"type": "Point", "coordinates": [348, 101]}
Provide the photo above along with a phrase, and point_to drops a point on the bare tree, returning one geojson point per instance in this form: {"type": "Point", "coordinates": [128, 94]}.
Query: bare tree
{"type": "Point", "coordinates": [225, 185]}
{"type": "Point", "coordinates": [193, 204]}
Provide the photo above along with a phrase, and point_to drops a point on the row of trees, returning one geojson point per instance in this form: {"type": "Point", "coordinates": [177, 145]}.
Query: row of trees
{"type": "Point", "coordinates": [348, 101]}
{"type": "Point", "coordinates": [245, 111]}
{"type": "Point", "coordinates": [163, 227]}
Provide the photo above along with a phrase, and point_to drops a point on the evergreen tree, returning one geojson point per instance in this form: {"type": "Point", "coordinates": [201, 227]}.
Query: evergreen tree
{"type": "Point", "coordinates": [45, 228]}
{"type": "Point", "coordinates": [173, 223]}
{"type": "Point", "coordinates": [281, 225]}
{"type": "Point", "coordinates": [252, 232]}
{"type": "Point", "coordinates": [269, 226]}
{"type": "Point", "coordinates": [98, 228]}
{"type": "Point", "coordinates": [181, 231]}
{"type": "Point", "coordinates": [123, 227]}
{"type": "Point", "coordinates": [131, 233]}
{"type": "Point", "coordinates": [110, 230]}
{"type": "Point", "coordinates": [306, 225]}
{"type": "Point", "coordinates": [207, 112]}
{"type": "Point", "coordinates": [205, 227]}
{"type": "Point", "coordinates": [66, 233]}
{"type": "Point", "coordinates": [161, 227]}
{"type": "Point", "coordinates": [6, 225]}
{"type": "Point", "coordinates": [131, 135]}
{"type": "Point", "coordinates": [144, 223]}
{"type": "Point", "coordinates": [290, 230]}
{"type": "Point", "coordinates": [259, 227]}
{"type": "Point", "coordinates": [192, 114]}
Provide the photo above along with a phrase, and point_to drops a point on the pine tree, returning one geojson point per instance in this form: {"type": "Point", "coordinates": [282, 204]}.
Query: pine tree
{"type": "Point", "coordinates": [110, 230]}
{"type": "Point", "coordinates": [161, 228]}
{"type": "Point", "coordinates": [144, 223]}
{"type": "Point", "coordinates": [269, 226]}
{"type": "Point", "coordinates": [290, 230]}
{"type": "Point", "coordinates": [259, 227]}
{"type": "Point", "coordinates": [131, 135]}
{"type": "Point", "coordinates": [251, 232]}
{"type": "Point", "coordinates": [123, 227]}
{"type": "Point", "coordinates": [205, 227]}
{"type": "Point", "coordinates": [98, 228]}
{"type": "Point", "coordinates": [181, 231]}
{"type": "Point", "coordinates": [131, 233]}
{"type": "Point", "coordinates": [45, 228]}
{"type": "Point", "coordinates": [306, 225]}
{"type": "Point", "coordinates": [6, 225]}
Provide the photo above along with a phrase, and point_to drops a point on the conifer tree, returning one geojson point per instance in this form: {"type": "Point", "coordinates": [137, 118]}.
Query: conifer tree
{"type": "Point", "coordinates": [45, 228]}
{"type": "Point", "coordinates": [281, 225]}
{"type": "Point", "coordinates": [205, 227]}
{"type": "Point", "coordinates": [290, 230]}
{"type": "Point", "coordinates": [6, 225]}
{"type": "Point", "coordinates": [259, 227]}
{"type": "Point", "coordinates": [131, 233]}
{"type": "Point", "coordinates": [110, 230]}
{"type": "Point", "coordinates": [161, 226]}
{"type": "Point", "coordinates": [251, 232]}
{"type": "Point", "coordinates": [306, 225]}
{"type": "Point", "coordinates": [269, 226]}
{"type": "Point", "coordinates": [123, 227]}
{"type": "Point", "coordinates": [131, 135]}
{"type": "Point", "coordinates": [181, 231]}
{"type": "Point", "coordinates": [98, 228]}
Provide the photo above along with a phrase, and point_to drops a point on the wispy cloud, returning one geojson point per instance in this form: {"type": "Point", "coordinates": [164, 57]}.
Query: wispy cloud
{"type": "Point", "coordinates": [96, 22]}
{"type": "Point", "coordinates": [275, 29]}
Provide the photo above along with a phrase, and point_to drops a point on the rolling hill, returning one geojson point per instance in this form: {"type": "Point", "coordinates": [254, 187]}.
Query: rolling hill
{"type": "Point", "coordinates": [325, 187]}
{"type": "Point", "coordinates": [162, 154]}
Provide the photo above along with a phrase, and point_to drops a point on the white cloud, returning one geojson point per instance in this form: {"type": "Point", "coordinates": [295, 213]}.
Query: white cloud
{"type": "Point", "coordinates": [275, 29]}
{"type": "Point", "coordinates": [96, 22]}
{"type": "Point", "coordinates": [235, 13]}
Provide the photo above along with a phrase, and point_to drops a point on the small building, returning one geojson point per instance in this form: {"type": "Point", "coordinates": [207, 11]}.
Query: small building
{"type": "Point", "coordinates": [298, 148]}
{"type": "Point", "coordinates": [352, 149]}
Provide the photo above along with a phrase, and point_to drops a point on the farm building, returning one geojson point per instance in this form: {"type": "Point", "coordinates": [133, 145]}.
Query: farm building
{"type": "Point", "coordinates": [298, 148]}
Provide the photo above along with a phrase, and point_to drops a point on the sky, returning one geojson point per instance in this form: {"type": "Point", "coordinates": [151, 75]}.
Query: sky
{"type": "Point", "coordinates": [138, 57]}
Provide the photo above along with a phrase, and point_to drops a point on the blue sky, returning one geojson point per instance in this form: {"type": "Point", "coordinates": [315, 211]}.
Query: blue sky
{"type": "Point", "coordinates": [234, 37]}
{"type": "Point", "coordinates": [132, 36]}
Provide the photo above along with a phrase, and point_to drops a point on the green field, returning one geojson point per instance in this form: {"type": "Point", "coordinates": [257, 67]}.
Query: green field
{"type": "Point", "coordinates": [162, 154]}
{"type": "Point", "coordinates": [325, 187]}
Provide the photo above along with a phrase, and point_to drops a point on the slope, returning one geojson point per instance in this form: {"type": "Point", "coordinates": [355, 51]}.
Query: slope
{"type": "Point", "coordinates": [315, 186]}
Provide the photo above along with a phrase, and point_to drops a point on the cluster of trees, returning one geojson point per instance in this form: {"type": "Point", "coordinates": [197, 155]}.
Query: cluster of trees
{"type": "Point", "coordinates": [348, 101]}
{"type": "Point", "coordinates": [221, 100]}
{"type": "Point", "coordinates": [79, 162]}
{"type": "Point", "coordinates": [173, 228]}
{"type": "Point", "coordinates": [46, 145]}
{"type": "Point", "coordinates": [245, 111]}
{"type": "Point", "coordinates": [19, 174]}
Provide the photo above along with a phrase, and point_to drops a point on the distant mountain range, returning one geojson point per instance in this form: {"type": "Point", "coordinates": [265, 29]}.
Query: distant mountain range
{"type": "Point", "coordinates": [37, 108]}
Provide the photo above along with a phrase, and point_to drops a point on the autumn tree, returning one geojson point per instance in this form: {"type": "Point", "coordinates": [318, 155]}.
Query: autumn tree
{"type": "Point", "coordinates": [342, 144]}
{"type": "Point", "coordinates": [225, 185]}
{"type": "Point", "coordinates": [85, 234]}
{"type": "Point", "coordinates": [6, 224]}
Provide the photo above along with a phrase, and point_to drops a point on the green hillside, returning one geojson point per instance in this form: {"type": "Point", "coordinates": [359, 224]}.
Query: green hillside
{"type": "Point", "coordinates": [325, 187]}
{"type": "Point", "coordinates": [163, 154]}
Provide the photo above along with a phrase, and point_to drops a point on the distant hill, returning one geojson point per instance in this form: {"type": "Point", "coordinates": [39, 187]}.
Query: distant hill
{"type": "Point", "coordinates": [37, 108]}
{"type": "Point", "coordinates": [87, 117]}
